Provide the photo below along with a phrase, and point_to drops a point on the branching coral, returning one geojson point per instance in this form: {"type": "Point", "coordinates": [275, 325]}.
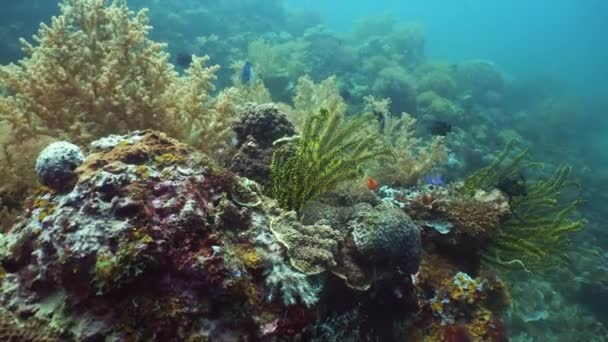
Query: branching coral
{"type": "Point", "coordinates": [311, 97]}
{"type": "Point", "coordinates": [413, 158]}
{"type": "Point", "coordinates": [433, 106]}
{"type": "Point", "coordinates": [278, 64]}
{"type": "Point", "coordinates": [395, 82]}
{"type": "Point", "coordinates": [14, 160]}
{"type": "Point", "coordinates": [329, 151]}
{"type": "Point", "coordinates": [93, 72]}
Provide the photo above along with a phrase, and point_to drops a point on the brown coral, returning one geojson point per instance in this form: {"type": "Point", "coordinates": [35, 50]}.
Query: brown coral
{"type": "Point", "coordinates": [477, 218]}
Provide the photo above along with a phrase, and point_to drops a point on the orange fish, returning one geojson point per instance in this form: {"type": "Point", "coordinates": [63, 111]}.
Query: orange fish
{"type": "Point", "coordinates": [372, 184]}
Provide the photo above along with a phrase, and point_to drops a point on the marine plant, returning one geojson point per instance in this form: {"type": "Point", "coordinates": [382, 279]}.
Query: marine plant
{"type": "Point", "coordinates": [329, 150]}
{"type": "Point", "coordinates": [537, 234]}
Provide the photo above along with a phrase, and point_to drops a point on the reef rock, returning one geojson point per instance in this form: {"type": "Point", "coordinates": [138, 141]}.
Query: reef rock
{"type": "Point", "coordinates": [150, 242]}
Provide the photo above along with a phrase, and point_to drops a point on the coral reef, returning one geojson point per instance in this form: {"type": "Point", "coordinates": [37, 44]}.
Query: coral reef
{"type": "Point", "coordinates": [330, 150]}
{"type": "Point", "coordinates": [94, 72]}
{"type": "Point", "coordinates": [136, 236]}
{"type": "Point", "coordinates": [145, 210]}
{"type": "Point", "coordinates": [387, 236]}
{"type": "Point", "coordinates": [256, 129]}
{"type": "Point", "coordinates": [413, 158]}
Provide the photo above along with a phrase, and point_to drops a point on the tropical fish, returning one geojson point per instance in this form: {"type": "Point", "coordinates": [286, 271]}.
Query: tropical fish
{"type": "Point", "coordinates": [183, 59]}
{"type": "Point", "coordinates": [372, 184]}
{"type": "Point", "coordinates": [247, 73]}
{"type": "Point", "coordinates": [434, 180]}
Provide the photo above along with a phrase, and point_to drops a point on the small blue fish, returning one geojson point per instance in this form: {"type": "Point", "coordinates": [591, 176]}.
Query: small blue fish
{"type": "Point", "coordinates": [247, 73]}
{"type": "Point", "coordinates": [434, 180]}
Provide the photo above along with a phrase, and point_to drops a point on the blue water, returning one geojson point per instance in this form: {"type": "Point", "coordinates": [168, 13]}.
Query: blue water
{"type": "Point", "coordinates": [561, 38]}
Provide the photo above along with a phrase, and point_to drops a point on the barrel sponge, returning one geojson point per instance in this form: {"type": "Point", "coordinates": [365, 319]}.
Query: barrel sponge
{"type": "Point", "coordinates": [56, 164]}
{"type": "Point", "coordinates": [385, 235]}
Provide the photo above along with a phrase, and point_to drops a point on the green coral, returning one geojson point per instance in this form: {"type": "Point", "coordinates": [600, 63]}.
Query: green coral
{"type": "Point", "coordinates": [537, 234]}
{"type": "Point", "coordinates": [329, 151]}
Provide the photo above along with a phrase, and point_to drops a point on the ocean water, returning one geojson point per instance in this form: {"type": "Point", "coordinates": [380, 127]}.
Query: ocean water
{"type": "Point", "coordinates": [475, 75]}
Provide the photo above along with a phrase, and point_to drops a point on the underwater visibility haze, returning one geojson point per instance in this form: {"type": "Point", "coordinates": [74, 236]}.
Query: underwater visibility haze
{"type": "Point", "coordinates": [292, 170]}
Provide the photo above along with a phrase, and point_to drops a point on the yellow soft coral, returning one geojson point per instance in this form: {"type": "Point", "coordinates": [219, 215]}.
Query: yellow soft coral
{"type": "Point", "coordinates": [413, 158]}
{"type": "Point", "coordinates": [94, 72]}
{"type": "Point", "coordinates": [310, 97]}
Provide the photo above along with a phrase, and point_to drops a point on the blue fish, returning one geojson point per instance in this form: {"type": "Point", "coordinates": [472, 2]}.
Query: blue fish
{"type": "Point", "coordinates": [247, 73]}
{"type": "Point", "coordinates": [434, 180]}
